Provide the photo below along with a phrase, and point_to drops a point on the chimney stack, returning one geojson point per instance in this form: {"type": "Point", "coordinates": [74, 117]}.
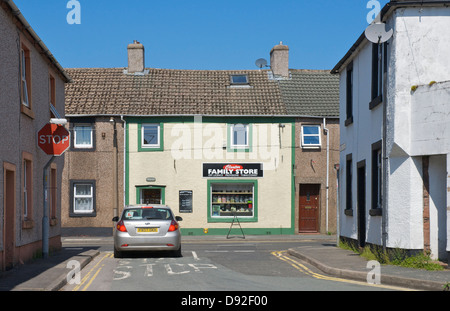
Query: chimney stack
{"type": "Point", "coordinates": [136, 58]}
{"type": "Point", "coordinates": [279, 60]}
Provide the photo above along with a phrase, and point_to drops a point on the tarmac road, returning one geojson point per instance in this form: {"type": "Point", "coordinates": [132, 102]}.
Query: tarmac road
{"type": "Point", "coordinates": [211, 265]}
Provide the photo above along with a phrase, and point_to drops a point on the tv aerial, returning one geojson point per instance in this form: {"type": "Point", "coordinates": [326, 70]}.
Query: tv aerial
{"type": "Point", "coordinates": [378, 32]}
{"type": "Point", "coordinates": [260, 63]}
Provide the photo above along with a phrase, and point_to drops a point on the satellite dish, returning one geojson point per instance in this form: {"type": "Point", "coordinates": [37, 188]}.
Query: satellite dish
{"type": "Point", "coordinates": [261, 62]}
{"type": "Point", "coordinates": [378, 33]}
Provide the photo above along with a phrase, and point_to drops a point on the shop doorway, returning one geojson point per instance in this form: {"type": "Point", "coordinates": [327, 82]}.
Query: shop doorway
{"type": "Point", "coordinates": [9, 203]}
{"type": "Point", "coordinates": [309, 208]}
{"type": "Point", "coordinates": [151, 196]}
{"type": "Point", "coordinates": [361, 201]}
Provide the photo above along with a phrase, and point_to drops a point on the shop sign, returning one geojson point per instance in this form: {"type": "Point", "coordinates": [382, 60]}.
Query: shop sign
{"type": "Point", "coordinates": [232, 170]}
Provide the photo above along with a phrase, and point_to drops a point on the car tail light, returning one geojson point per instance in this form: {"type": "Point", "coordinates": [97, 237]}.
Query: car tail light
{"type": "Point", "coordinates": [173, 226]}
{"type": "Point", "coordinates": [121, 226]}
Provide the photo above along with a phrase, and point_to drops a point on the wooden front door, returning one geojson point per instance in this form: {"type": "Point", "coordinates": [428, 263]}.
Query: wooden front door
{"type": "Point", "coordinates": [309, 208]}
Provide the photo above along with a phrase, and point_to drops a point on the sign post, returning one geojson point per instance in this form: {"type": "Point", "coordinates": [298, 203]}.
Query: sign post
{"type": "Point", "coordinates": [54, 140]}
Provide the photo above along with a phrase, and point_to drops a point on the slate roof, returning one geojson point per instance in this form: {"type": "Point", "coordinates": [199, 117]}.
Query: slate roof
{"type": "Point", "coordinates": [109, 91]}
{"type": "Point", "coordinates": [311, 93]}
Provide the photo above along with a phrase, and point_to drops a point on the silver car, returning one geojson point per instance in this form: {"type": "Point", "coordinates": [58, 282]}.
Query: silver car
{"type": "Point", "coordinates": [147, 228]}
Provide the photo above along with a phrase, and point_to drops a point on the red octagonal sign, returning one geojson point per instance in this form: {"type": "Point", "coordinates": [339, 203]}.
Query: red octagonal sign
{"type": "Point", "coordinates": [54, 139]}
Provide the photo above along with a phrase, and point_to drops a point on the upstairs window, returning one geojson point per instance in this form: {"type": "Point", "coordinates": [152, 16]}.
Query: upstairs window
{"type": "Point", "coordinates": [25, 64]}
{"type": "Point", "coordinates": [83, 136]}
{"type": "Point", "coordinates": [150, 135]}
{"type": "Point", "coordinates": [379, 65]}
{"type": "Point", "coordinates": [239, 79]}
{"type": "Point", "coordinates": [349, 95]}
{"type": "Point", "coordinates": [239, 135]}
{"type": "Point", "coordinates": [52, 96]}
{"type": "Point", "coordinates": [311, 136]}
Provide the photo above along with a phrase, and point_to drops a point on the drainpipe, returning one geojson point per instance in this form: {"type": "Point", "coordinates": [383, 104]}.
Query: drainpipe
{"type": "Point", "coordinates": [115, 169]}
{"type": "Point", "coordinates": [124, 159]}
{"type": "Point", "coordinates": [328, 168]}
{"type": "Point", "coordinates": [45, 218]}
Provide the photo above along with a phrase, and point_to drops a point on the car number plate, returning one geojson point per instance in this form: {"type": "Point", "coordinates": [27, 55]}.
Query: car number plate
{"type": "Point", "coordinates": [146, 230]}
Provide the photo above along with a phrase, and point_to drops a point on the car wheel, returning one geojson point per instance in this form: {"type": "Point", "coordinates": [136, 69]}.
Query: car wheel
{"type": "Point", "coordinates": [118, 254]}
{"type": "Point", "coordinates": [177, 253]}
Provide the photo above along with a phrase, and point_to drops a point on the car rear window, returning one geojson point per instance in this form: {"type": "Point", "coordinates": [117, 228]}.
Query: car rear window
{"type": "Point", "coordinates": [147, 213]}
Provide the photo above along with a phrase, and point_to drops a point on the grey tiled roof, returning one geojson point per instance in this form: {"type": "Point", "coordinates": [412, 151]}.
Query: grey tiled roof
{"type": "Point", "coordinates": [100, 91]}
{"type": "Point", "coordinates": [311, 93]}
{"type": "Point", "coordinates": [109, 91]}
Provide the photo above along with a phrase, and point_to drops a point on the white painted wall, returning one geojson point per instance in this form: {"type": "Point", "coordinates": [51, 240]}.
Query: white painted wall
{"type": "Point", "coordinates": [417, 125]}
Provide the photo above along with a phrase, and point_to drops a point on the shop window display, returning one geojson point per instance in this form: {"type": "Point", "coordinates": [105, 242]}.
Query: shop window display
{"type": "Point", "coordinates": [230, 199]}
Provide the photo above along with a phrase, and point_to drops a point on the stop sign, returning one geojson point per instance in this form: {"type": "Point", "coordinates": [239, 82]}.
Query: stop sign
{"type": "Point", "coordinates": [54, 139]}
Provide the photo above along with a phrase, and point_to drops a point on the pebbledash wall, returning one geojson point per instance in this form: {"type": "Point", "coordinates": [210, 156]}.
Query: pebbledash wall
{"type": "Point", "coordinates": [178, 169]}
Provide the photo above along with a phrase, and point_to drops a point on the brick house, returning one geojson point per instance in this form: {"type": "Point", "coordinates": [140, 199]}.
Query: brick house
{"type": "Point", "coordinates": [32, 92]}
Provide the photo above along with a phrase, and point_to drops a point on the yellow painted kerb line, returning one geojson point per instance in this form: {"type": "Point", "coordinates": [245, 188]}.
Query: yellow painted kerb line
{"type": "Point", "coordinates": [87, 278]}
{"type": "Point", "coordinates": [302, 268]}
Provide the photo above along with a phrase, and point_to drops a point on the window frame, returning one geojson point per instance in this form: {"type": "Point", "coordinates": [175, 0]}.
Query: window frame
{"type": "Point", "coordinates": [27, 187]}
{"type": "Point", "coordinates": [248, 136]}
{"type": "Point", "coordinates": [233, 82]}
{"type": "Point", "coordinates": [52, 94]}
{"type": "Point", "coordinates": [25, 65]}
{"type": "Point", "coordinates": [228, 219]}
{"type": "Point", "coordinates": [377, 179]}
{"type": "Point", "coordinates": [83, 146]}
{"type": "Point", "coordinates": [153, 147]}
{"type": "Point", "coordinates": [379, 67]}
{"type": "Point", "coordinates": [303, 135]}
{"type": "Point", "coordinates": [349, 94]}
{"type": "Point", "coordinates": [73, 211]}
{"type": "Point", "coordinates": [348, 185]}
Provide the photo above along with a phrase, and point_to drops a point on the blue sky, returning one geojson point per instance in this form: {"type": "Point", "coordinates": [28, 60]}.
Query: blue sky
{"type": "Point", "coordinates": [199, 34]}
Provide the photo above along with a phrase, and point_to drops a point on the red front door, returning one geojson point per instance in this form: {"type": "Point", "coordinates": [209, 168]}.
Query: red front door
{"type": "Point", "coordinates": [309, 208]}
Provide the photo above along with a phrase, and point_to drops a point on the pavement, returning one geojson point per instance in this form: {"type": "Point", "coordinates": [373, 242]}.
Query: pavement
{"type": "Point", "coordinates": [50, 274]}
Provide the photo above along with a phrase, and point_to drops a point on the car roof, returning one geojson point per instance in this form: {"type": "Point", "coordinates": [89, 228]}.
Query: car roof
{"type": "Point", "coordinates": [147, 206]}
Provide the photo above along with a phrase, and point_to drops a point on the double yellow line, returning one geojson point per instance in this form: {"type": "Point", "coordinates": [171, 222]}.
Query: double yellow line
{"type": "Point", "coordinates": [302, 268]}
{"type": "Point", "coordinates": [92, 274]}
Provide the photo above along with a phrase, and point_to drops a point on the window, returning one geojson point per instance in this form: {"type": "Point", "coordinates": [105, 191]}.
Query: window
{"type": "Point", "coordinates": [239, 138]}
{"type": "Point", "coordinates": [83, 137]}
{"type": "Point", "coordinates": [311, 136]}
{"type": "Point", "coordinates": [376, 176]}
{"type": "Point", "coordinates": [25, 76]}
{"type": "Point", "coordinates": [229, 199]}
{"type": "Point", "coordinates": [27, 187]}
{"type": "Point", "coordinates": [150, 195]}
{"type": "Point", "coordinates": [150, 134]}
{"type": "Point", "coordinates": [83, 198]}
{"type": "Point", "coordinates": [52, 96]}
{"type": "Point", "coordinates": [349, 95]}
{"type": "Point", "coordinates": [147, 213]}
{"type": "Point", "coordinates": [348, 185]}
{"type": "Point", "coordinates": [239, 79]}
{"type": "Point", "coordinates": [377, 73]}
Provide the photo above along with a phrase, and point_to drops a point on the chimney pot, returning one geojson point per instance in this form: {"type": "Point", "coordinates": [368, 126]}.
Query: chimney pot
{"type": "Point", "coordinates": [279, 60]}
{"type": "Point", "coordinates": [136, 57]}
